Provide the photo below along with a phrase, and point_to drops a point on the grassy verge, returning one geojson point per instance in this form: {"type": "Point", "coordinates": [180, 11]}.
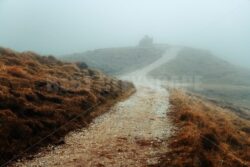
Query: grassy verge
{"type": "Point", "coordinates": [208, 135]}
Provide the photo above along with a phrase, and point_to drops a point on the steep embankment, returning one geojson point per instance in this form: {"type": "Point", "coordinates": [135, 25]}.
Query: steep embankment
{"type": "Point", "coordinates": [119, 60]}
{"type": "Point", "coordinates": [41, 99]}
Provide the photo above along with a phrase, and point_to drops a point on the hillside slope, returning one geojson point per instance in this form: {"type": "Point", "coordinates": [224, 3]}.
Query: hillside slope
{"type": "Point", "coordinates": [212, 76]}
{"type": "Point", "coordinates": [119, 60]}
{"type": "Point", "coordinates": [201, 63]}
{"type": "Point", "coordinates": [205, 74]}
{"type": "Point", "coordinates": [207, 135]}
{"type": "Point", "coordinates": [43, 97]}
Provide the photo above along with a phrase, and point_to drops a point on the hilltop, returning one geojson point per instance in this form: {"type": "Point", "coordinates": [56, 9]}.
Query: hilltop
{"type": "Point", "coordinates": [118, 61]}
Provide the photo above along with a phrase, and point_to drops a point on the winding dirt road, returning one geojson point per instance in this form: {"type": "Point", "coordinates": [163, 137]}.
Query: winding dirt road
{"type": "Point", "coordinates": [133, 133]}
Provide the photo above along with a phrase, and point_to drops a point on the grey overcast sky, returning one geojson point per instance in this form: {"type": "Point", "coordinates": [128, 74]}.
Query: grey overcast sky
{"type": "Point", "coordinates": [67, 26]}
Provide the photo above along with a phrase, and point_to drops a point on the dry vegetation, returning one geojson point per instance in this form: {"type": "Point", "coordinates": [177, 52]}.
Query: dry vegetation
{"type": "Point", "coordinates": [208, 136]}
{"type": "Point", "coordinates": [41, 95]}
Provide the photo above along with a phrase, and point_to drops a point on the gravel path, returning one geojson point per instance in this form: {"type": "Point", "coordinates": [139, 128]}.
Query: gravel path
{"type": "Point", "coordinates": [140, 77]}
{"type": "Point", "coordinates": [133, 133]}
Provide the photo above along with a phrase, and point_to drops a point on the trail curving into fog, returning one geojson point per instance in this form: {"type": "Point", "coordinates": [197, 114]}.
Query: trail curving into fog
{"type": "Point", "coordinates": [140, 77]}
{"type": "Point", "coordinates": [133, 133]}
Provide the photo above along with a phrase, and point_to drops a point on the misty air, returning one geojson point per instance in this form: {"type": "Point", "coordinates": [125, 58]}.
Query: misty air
{"type": "Point", "coordinates": [117, 83]}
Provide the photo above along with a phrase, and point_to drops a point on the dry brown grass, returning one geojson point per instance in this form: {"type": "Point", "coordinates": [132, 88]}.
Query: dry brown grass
{"type": "Point", "coordinates": [39, 95]}
{"type": "Point", "coordinates": [208, 135]}
{"type": "Point", "coordinates": [17, 72]}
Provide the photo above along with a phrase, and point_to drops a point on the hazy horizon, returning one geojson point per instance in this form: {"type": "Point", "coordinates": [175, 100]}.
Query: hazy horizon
{"type": "Point", "coordinates": [61, 27]}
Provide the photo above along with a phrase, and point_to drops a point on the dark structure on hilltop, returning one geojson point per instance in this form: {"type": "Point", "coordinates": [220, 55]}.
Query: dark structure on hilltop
{"type": "Point", "coordinates": [146, 41]}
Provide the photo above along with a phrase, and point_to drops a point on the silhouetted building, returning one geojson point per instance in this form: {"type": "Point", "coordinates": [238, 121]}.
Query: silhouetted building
{"type": "Point", "coordinates": [146, 41]}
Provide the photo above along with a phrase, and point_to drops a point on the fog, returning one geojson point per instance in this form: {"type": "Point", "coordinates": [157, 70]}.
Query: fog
{"type": "Point", "coordinates": [66, 26]}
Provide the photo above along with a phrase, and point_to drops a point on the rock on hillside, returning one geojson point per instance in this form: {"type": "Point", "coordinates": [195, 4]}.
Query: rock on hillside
{"type": "Point", "coordinates": [42, 95]}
